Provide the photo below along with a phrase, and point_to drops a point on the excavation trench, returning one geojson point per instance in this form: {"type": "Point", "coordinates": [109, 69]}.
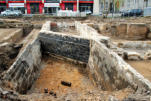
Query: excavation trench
{"type": "Point", "coordinates": [10, 45]}
{"type": "Point", "coordinates": [48, 61]}
{"type": "Point", "coordinates": [85, 63]}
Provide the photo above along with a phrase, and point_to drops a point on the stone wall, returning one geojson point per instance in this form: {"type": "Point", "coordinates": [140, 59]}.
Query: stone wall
{"type": "Point", "coordinates": [46, 26]}
{"type": "Point", "coordinates": [85, 30]}
{"type": "Point", "coordinates": [141, 45]}
{"type": "Point", "coordinates": [111, 72]}
{"type": "Point", "coordinates": [25, 69]}
{"type": "Point", "coordinates": [90, 33]}
{"type": "Point", "coordinates": [72, 47]}
{"type": "Point", "coordinates": [107, 69]}
{"type": "Point", "coordinates": [133, 31]}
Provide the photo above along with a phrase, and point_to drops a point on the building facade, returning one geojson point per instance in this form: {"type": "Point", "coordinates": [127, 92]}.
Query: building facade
{"type": "Point", "coordinates": [136, 4]}
{"type": "Point", "coordinates": [45, 6]}
{"type": "Point", "coordinates": [111, 5]}
{"type": "Point", "coordinates": [120, 5]}
{"type": "Point", "coordinates": [72, 5]}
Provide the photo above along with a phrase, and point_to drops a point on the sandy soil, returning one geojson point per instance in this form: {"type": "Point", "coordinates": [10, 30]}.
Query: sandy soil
{"type": "Point", "coordinates": [143, 67]}
{"type": "Point", "coordinates": [4, 32]}
{"type": "Point", "coordinates": [55, 71]}
{"type": "Point", "coordinates": [70, 31]}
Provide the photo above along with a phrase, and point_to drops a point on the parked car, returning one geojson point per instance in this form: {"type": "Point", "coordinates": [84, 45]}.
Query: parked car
{"type": "Point", "coordinates": [6, 13]}
{"type": "Point", "coordinates": [136, 12]}
{"type": "Point", "coordinates": [132, 12]}
{"type": "Point", "coordinates": [11, 13]}
{"type": "Point", "coordinates": [18, 12]}
{"type": "Point", "coordinates": [125, 13]}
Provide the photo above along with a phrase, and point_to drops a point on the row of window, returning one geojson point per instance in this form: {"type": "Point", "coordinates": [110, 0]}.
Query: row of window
{"type": "Point", "coordinates": [47, 0]}
{"type": "Point", "coordinates": [34, 0]}
{"type": "Point", "coordinates": [76, 0]}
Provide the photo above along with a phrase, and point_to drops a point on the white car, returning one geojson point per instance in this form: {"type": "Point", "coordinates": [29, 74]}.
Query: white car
{"type": "Point", "coordinates": [11, 13]}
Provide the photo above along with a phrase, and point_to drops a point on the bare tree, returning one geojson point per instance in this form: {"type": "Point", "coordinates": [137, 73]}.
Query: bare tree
{"type": "Point", "coordinates": [106, 11]}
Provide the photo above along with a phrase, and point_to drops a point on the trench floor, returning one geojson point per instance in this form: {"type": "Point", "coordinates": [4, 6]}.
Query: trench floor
{"type": "Point", "coordinates": [143, 67]}
{"type": "Point", "coordinates": [54, 71]}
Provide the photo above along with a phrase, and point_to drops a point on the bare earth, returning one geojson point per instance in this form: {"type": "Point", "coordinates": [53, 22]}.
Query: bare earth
{"type": "Point", "coordinates": [55, 71]}
{"type": "Point", "coordinates": [143, 67]}
{"type": "Point", "coordinates": [4, 32]}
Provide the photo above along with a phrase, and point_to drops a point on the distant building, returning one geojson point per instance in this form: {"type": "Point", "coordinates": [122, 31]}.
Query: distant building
{"type": "Point", "coordinates": [72, 5]}
{"type": "Point", "coordinates": [45, 6]}
{"type": "Point", "coordinates": [110, 5]}
{"type": "Point", "coordinates": [30, 6]}
{"type": "Point", "coordinates": [51, 6]}
{"type": "Point", "coordinates": [136, 4]}
{"type": "Point", "coordinates": [119, 5]}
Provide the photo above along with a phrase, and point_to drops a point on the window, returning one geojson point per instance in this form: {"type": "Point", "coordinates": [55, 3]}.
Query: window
{"type": "Point", "coordinates": [52, 0]}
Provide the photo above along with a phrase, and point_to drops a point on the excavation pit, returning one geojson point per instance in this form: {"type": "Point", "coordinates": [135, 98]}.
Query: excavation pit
{"type": "Point", "coordinates": [84, 60]}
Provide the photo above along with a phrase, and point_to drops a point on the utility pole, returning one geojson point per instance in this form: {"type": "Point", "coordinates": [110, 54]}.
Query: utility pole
{"type": "Point", "coordinates": [77, 6]}
{"type": "Point", "coordinates": [112, 7]}
{"type": "Point", "coordinates": [25, 6]}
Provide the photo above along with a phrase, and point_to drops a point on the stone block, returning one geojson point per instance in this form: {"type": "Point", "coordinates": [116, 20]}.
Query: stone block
{"type": "Point", "coordinates": [148, 55]}
{"type": "Point", "coordinates": [134, 56]}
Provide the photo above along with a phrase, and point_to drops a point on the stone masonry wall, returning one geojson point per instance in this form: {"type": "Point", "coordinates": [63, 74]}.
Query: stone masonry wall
{"type": "Point", "coordinates": [112, 72]}
{"type": "Point", "coordinates": [90, 33]}
{"type": "Point", "coordinates": [85, 30]}
{"type": "Point", "coordinates": [64, 45]}
{"type": "Point", "coordinates": [141, 45]}
{"type": "Point", "coordinates": [23, 72]}
{"type": "Point", "coordinates": [107, 69]}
